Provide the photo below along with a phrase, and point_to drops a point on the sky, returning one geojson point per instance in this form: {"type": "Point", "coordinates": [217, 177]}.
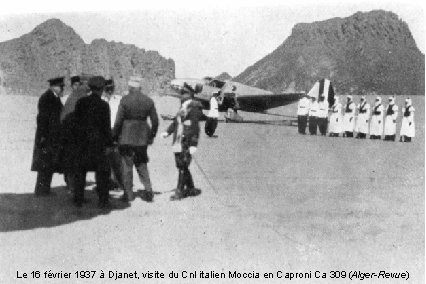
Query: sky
{"type": "Point", "coordinates": [203, 38]}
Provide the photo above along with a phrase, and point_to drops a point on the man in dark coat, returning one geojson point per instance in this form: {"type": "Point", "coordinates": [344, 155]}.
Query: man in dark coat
{"type": "Point", "coordinates": [47, 144]}
{"type": "Point", "coordinates": [93, 143]}
{"type": "Point", "coordinates": [134, 134]}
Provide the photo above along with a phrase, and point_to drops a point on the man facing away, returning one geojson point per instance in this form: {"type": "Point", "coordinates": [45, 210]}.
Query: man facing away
{"type": "Point", "coordinates": [94, 142]}
{"type": "Point", "coordinates": [134, 134]}
{"type": "Point", "coordinates": [47, 143]}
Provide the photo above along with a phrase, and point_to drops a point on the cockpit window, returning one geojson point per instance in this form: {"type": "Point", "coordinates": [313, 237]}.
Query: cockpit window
{"type": "Point", "coordinates": [217, 84]}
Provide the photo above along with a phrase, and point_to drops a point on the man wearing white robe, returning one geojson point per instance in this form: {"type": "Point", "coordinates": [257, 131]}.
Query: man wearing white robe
{"type": "Point", "coordinates": [349, 117]}
{"type": "Point", "coordinates": [390, 120]}
{"type": "Point", "coordinates": [335, 118]}
{"type": "Point", "coordinates": [408, 129]}
{"type": "Point", "coordinates": [363, 118]}
{"type": "Point", "coordinates": [376, 125]}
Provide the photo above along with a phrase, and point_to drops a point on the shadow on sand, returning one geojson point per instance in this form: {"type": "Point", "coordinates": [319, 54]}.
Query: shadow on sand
{"type": "Point", "coordinates": [26, 211]}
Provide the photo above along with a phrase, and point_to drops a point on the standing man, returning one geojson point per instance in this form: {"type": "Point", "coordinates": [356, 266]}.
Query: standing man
{"type": "Point", "coordinates": [94, 142]}
{"type": "Point", "coordinates": [212, 116]}
{"type": "Point", "coordinates": [114, 157]}
{"type": "Point", "coordinates": [186, 131]}
{"type": "Point", "coordinates": [390, 120]}
{"type": "Point", "coordinates": [363, 118]}
{"type": "Point", "coordinates": [376, 125]}
{"type": "Point", "coordinates": [134, 135]}
{"type": "Point", "coordinates": [335, 118]}
{"type": "Point", "coordinates": [349, 117]}
{"type": "Point", "coordinates": [302, 114]}
{"type": "Point", "coordinates": [47, 143]}
{"type": "Point", "coordinates": [408, 129]}
{"type": "Point", "coordinates": [77, 92]}
{"type": "Point", "coordinates": [313, 116]}
{"type": "Point", "coordinates": [322, 115]}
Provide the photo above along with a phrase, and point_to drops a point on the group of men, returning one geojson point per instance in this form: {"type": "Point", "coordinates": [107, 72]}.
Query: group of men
{"type": "Point", "coordinates": [93, 130]}
{"type": "Point", "coordinates": [376, 121]}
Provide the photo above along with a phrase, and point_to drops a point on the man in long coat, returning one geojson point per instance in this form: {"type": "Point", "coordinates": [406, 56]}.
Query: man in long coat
{"type": "Point", "coordinates": [47, 144]}
{"type": "Point", "coordinates": [93, 142]}
{"type": "Point", "coordinates": [134, 134]}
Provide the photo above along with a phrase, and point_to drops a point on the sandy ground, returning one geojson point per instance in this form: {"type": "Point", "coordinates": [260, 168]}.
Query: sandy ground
{"type": "Point", "coordinates": [271, 201]}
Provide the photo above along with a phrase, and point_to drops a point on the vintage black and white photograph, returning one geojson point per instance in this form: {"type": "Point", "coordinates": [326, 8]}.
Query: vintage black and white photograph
{"type": "Point", "coordinates": [212, 142]}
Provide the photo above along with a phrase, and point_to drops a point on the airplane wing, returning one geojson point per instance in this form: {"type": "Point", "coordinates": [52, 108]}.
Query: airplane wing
{"type": "Point", "coordinates": [262, 102]}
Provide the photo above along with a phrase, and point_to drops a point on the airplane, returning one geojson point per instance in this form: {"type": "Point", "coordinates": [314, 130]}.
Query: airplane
{"type": "Point", "coordinates": [234, 96]}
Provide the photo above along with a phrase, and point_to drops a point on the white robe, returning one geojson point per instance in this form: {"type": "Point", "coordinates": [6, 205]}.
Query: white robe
{"type": "Point", "coordinates": [390, 125]}
{"type": "Point", "coordinates": [303, 106]}
{"type": "Point", "coordinates": [335, 119]}
{"type": "Point", "coordinates": [349, 117]}
{"type": "Point", "coordinates": [376, 125]}
{"type": "Point", "coordinates": [407, 129]}
{"type": "Point", "coordinates": [323, 109]}
{"type": "Point", "coordinates": [363, 118]}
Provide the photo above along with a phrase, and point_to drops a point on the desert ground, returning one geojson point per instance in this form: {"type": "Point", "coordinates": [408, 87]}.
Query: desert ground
{"type": "Point", "coordinates": [272, 200]}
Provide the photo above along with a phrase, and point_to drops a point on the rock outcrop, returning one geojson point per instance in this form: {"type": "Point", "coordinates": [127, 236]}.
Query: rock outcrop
{"type": "Point", "coordinates": [55, 49]}
{"type": "Point", "coordinates": [366, 52]}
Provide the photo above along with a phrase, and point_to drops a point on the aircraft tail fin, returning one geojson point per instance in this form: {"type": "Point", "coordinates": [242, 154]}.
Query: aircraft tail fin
{"type": "Point", "coordinates": [323, 88]}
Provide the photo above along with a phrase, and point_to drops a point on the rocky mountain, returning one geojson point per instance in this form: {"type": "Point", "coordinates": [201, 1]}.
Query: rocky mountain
{"type": "Point", "coordinates": [223, 76]}
{"type": "Point", "coordinates": [366, 52]}
{"type": "Point", "coordinates": [54, 49]}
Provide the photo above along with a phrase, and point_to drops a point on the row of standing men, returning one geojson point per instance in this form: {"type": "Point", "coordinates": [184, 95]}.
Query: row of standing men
{"type": "Point", "coordinates": [368, 121]}
{"type": "Point", "coordinates": [94, 130]}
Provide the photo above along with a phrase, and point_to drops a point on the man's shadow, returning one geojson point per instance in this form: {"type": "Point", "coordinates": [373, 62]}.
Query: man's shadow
{"type": "Point", "coordinates": [26, 211]}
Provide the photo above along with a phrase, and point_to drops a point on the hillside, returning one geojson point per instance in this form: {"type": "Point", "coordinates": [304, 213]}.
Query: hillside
{"type": "Point", "coordinates": [55, 49]}
{"type": "Point", "coordinates": [365, 52]}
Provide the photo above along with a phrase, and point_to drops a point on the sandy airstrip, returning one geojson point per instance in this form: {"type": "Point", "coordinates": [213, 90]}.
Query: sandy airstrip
{"type": "Point", "coordinates": [272, 200]}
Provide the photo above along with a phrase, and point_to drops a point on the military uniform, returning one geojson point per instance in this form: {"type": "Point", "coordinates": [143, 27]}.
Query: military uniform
{"type": "Point", "coordinates": [376, 125]}
{"type": "Point", "coordinates": [134, 134]}
{"type": "Point", "coordinates": [323, 115]}
{"type": "Point", "coordinates": [335, 118]}
{"type": "Point", "coordinates": [349, 118]}
{"type": "Point", "coordinates": [302, 114]}
{"type": "Point", "coordinates": [390, 120]}
{"type": "Point", "coordinates": [47, 143]}
{"type": "Point", "coordinates": [212, 117]}
{"type": "Point", "coordinates": [186, 131]}
{"type": "Point", "coordinates": [408, 129]}
{"type": "Point", "coordinates": [363, 118]}
{"type": "Point", "coordinates": [313, 116]}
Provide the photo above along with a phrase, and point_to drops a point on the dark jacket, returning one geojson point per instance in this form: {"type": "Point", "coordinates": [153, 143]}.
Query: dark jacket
{"type": "Point", "coordinates": [131, 126]}
{"type": "Point", "coordinates": [190, 118]}
{"type": "Point", "coordinates": [69, 106]}
{"type": "Point", "coordinates": [47, 144]}
{"type": "Point", "coordinates": [92, 132]}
